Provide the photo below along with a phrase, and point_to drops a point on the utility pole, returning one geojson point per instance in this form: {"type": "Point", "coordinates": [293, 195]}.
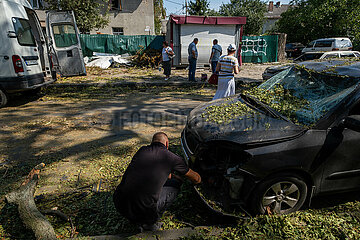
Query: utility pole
{"type": "Point", "coordinates": [186, 8]}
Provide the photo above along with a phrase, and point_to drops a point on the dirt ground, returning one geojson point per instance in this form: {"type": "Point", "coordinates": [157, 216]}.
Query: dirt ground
{"type": "Point", "coordinates": [87, 136]}
{"type": "Point", "coordinates": [248, 72]}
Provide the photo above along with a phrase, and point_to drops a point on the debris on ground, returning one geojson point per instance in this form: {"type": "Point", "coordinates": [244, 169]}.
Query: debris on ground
{"type": "Point", "coordinates": [105, 60]}
{"type": "Point", "coordinates": [147, 58]}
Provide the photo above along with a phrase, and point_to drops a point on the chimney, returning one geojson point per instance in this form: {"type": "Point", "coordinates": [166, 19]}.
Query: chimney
{"type": "Point", "coordinates": [271, 6]}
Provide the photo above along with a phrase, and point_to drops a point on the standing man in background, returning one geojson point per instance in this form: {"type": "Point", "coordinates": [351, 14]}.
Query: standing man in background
{"type": "Point", "coordinates": [193, 55]}
{"type": "Point", "coordinates": [216, 52]}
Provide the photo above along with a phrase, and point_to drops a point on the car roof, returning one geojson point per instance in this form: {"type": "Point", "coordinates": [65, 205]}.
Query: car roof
{"type": "Point", "coordinates": [341, 67]}
{"type": "Point", "coordinates": [334, 38]}
{"type": "Point", "coordinates": [329, 52]}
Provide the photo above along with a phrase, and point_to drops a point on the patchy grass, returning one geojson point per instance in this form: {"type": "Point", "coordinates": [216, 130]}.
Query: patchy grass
{"type": "Point", "coordinates": [74, 170]}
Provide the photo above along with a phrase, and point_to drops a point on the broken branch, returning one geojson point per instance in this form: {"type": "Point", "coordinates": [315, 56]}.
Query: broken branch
{"type": "Point", "coordinates": [31, 216]}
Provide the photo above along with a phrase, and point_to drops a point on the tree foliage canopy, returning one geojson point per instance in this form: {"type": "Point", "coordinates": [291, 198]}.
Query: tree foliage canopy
{"type": "Point", "coordinates": [159, 13]}
{"type": "Point", "coordinates": [199, 7]}
{"type": "Point", "coordinates": [87, 12]}
{"type": "Point", "coordinates": [253, 10]}
{"type": "Point", "coordinates": [308, 20]}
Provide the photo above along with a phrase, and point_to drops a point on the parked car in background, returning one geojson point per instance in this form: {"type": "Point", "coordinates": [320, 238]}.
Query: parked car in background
{"type": "Point", "coordinates": [271, 71]}
{"type": "Point", "coordinates": [294, 49]}
{"type": "Point", "coordinates": [28, 58]}
{"type": "Point", "coordinates": [273, 147]}
{"type": "Point", "coordinates": [329, 44]}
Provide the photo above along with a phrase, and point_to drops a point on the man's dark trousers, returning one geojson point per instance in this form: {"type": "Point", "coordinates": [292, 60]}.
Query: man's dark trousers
{"type": "Point", "coordinates": [213, 66]}
{"type": "Point", "coordinates": [192, 68]}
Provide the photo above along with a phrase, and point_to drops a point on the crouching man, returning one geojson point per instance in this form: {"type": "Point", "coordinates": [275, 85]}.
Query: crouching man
{"type": "Point", "coordinates": [149, 186]}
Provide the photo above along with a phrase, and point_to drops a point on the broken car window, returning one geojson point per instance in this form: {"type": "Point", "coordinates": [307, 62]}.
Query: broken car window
{"type": "Point", "coordinates": [312, 94]}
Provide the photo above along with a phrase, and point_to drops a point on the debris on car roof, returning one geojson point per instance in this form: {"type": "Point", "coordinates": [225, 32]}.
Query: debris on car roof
{"type": "Point", "coordinates": [346, 67]}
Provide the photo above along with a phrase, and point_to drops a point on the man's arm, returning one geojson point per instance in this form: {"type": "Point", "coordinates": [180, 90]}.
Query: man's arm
{"type": "Point", "coordinates": [218, 67]}
{"type": "Point", "coordinates": [236, 69]}
{"type": "Point", "coordinates": [193, 176]}
{"type": "Point", "coordinates": [194, 53]}
{"type": "Point", "coordinates": [211, 56]}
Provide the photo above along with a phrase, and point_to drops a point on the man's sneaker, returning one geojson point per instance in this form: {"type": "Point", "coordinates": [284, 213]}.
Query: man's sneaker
{"type": "Point", "coordinates": [166, 79]}
{"type": "Point", "coordinates": [151, 227]}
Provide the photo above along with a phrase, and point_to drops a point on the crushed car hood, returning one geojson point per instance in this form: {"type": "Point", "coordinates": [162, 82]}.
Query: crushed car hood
{"type": "Point", "coordinates": [254, 128]}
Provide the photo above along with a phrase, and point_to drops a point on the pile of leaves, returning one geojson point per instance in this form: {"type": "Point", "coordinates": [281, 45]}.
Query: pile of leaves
{"type": "Point", "coordinates": [226, 112]}
{"type": "Point", "coordinates": [147, 58]}
{"type": "Point", "coordinates": [279, 99]}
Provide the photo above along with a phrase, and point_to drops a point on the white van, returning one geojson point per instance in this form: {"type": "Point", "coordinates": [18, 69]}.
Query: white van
{"type": "Point", "coordinates": [28, 58]}
{"type": "Point", "coordinates": [329, 44]}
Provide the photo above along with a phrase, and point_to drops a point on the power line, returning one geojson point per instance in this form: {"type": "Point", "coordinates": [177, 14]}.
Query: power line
{"type": "Point", "coordinates": [173, 2]}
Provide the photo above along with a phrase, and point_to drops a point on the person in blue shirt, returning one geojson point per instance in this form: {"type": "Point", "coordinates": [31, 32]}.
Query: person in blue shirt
{"type": "Point", "coordinates": [216, 52]}
{"type": "Point", "coordinates": [193, 55]}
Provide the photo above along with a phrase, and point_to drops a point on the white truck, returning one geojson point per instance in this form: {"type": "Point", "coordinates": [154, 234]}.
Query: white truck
{"type": "Point", "coordinates": [29, 58]}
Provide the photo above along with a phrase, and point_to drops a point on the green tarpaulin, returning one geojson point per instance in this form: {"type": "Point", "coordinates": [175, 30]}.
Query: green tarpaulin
{"type": "Point", "coordinates": [259, 49]}
{"type": "Point", "coordinates": [118, 44]}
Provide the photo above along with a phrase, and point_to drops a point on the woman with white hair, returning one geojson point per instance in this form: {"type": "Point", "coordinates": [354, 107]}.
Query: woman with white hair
{"type": "Point", "coordinates": [227, 66]}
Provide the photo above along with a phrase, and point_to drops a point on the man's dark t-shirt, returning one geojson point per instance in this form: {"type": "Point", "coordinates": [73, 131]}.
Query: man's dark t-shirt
{"type": "Point", "coordinates": [137, 195]}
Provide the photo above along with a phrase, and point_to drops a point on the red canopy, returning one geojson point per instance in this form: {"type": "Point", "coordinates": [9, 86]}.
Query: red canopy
{"type": "Point", "coordinates": [180, 19]}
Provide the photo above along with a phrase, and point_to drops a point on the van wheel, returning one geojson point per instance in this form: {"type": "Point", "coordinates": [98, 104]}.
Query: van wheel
{"type": "Point", "coordinates": [280, 194]}
{"type": "Point", "coordinates": [3, 99]}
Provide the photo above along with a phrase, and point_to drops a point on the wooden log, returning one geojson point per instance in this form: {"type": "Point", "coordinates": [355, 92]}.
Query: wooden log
{"type": "Point", "coordinates": [31, 216]}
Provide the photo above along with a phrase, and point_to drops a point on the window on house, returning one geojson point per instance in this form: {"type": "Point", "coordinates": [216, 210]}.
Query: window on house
{"type": "Point", "coordinates": [36, 4]}
{"type": "Point", "coordinates": [118, 31]}
{"type": "Point", "coordinates": [116, 5]}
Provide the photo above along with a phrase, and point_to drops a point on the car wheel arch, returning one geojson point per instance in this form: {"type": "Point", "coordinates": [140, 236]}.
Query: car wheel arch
{"type": "Point", "coordinates": [296, 175]}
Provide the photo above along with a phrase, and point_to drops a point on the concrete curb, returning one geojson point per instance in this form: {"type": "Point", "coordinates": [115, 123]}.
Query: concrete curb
{"type": "Point", "coordinates": [130, 84]}
{"type": "Point", "coordinates": [142, 84]}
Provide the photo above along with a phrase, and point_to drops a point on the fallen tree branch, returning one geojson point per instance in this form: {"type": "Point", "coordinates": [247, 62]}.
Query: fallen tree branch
{"type": "Point", "coordinates": [24, 199]}
{"type": "Point", "coordinates": [62, 216]}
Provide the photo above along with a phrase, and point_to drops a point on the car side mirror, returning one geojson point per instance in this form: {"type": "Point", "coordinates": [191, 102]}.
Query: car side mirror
{"type": "Point", "coordinates": [352, 122]}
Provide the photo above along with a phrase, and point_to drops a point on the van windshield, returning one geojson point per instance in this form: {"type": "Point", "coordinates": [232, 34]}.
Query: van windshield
{"type": "Point", "coordinates": [23, 32]}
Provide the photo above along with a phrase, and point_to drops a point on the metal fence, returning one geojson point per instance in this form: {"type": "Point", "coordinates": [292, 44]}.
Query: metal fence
{"type": "Point", "coordinates": [118, 44]}
{"type": "Point", "coordinates": [259, 49]}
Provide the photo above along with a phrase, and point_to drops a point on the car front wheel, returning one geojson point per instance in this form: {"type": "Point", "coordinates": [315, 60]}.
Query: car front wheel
{"type": "Point", "coordinates": [280, 195]}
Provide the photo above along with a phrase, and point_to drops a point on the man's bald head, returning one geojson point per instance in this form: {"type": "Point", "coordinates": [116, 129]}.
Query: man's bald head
{"type": "Point", "coordinates": [161, 137]}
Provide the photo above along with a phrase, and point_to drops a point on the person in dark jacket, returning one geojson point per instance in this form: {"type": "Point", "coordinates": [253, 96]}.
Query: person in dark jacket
{"type": "Point", "coordinates": [149, 184]}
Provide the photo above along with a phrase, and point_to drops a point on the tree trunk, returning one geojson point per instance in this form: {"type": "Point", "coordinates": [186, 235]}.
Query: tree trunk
{"type": "Point", "coordinates": [24, 199]}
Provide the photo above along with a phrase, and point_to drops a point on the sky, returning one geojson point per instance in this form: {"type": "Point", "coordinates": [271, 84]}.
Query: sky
{"type": "Point", "coordinates": [176, 6]}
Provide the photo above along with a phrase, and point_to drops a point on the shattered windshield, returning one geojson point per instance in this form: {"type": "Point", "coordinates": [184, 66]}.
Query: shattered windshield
{"type": "Point", "coordinates": [302, 95]}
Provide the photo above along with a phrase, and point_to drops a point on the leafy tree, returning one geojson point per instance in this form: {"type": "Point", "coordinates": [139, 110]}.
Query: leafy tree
{"type": "Point", "coordinates": [253, 10]}
{"type": "Point", "coordinates": [213, 12]}
{"type": "Point", "coordinates": [308, 20]}
{"type": "Point", "coordinates": [199, 7]}
{"type": "Point", "coordinates": [88, 13]}
{"type": "Point", "coordinates": [159, 13]}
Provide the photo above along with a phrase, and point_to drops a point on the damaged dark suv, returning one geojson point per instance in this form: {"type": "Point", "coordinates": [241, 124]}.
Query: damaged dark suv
{"type": "Point", "coordinates": [273, 147]}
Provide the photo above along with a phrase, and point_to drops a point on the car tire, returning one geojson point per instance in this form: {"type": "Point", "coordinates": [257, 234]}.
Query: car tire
{"type": "Point", "coordinates": [281, 194]}
{"type": "Point", "coordinates": [3, 99]}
